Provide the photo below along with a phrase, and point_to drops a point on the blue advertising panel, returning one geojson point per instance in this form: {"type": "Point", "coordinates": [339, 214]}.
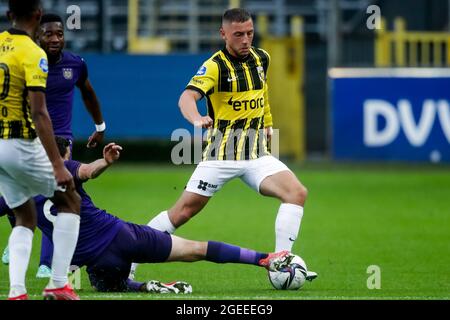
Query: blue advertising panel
{"type": "Point", "coordinates": [138, 94]}
{"type": "Point", "coordinates": [391, 114]}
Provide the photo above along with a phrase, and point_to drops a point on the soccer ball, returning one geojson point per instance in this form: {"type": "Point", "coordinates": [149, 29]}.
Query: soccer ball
{"type": "Point", "coordinates": [290, 277]}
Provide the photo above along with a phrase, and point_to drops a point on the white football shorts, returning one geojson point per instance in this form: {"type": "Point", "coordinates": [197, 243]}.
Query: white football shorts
{"type": "Point", "coordinates": [25, 171]}
{"type": "Point", "coordinates": [210, 176]}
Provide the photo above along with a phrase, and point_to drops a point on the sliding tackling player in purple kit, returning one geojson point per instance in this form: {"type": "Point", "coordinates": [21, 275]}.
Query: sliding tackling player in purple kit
{"type": "Point", "coordinates": [108, 245]}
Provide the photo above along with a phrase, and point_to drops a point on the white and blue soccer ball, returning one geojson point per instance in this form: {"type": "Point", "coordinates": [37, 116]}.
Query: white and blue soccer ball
{"type": "Point", "coordinates": [292, 276]}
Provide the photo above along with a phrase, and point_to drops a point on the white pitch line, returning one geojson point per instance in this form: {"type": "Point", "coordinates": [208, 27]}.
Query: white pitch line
{"type": "Point", "coordinates": [187, 297]}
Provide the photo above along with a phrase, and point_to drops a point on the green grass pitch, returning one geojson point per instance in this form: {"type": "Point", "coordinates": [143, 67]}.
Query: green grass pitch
{"type": "Point", "coordinates": [395, 218]}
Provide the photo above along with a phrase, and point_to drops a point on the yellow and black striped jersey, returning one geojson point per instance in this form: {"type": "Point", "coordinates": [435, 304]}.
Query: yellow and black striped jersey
{"type": "Point", "coordinates": [237, 100]}
{"type": "Point", "coordinates": [23, 67]}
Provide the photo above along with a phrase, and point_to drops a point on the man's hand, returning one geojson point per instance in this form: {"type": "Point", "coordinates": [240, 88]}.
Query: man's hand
{"type": "Point", "coordinates": [111, 152]}
{"type": "Point", "coordinates": [204, 122]}
{"type": "Point", "coordinates": [95, 139]}
{"type": "Point", "coordinates": [269, 132]}
{"type": "Point", "coordinates": [63, 178]}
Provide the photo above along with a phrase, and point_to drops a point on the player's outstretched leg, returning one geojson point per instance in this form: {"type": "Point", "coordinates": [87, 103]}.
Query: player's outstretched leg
{"type": "Point", "coordinates": [219, 252]}
{"type": "Point", "coordinates": [292, 194]}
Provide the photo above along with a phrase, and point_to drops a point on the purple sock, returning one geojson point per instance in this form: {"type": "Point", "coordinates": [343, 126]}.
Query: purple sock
{"type": "Point", "coordinates": [134, 286]}
{"type": "Point", "coordinates": [220, 252]}
{"type": "Point", "coordinates": [46, 251]}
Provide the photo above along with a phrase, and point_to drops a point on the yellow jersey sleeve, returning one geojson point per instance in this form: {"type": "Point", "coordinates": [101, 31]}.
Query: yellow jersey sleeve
{"type": "Point", "coordinates": [268, 121]}
{"type": "Point", "coordinates": [36, 69]}
{"type": "Point", "coordinates": [205, 79]}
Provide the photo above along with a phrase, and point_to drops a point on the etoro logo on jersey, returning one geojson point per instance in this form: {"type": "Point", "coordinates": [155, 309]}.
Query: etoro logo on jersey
{"type": "Point", "coordinates": [239, 105]}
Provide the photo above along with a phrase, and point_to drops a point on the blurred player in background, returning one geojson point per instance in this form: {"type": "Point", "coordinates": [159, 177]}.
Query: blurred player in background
{"type": "Point", "coordinates": [234, 83]}
{"type": "Point", "coordinates": [66, 71]}
{"type": "Point", "coordinates": [108, 245]}
{"type": "Point", "coordinates": [30, 163]}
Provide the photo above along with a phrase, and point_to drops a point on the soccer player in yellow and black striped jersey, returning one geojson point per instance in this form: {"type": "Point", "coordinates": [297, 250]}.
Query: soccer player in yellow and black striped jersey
{"type": "Point", "coordinates": [234, 82]}
{"type": "Point", "coordinates": [30, 163]}
{"type": "Point", "coordinates": [238, 105]}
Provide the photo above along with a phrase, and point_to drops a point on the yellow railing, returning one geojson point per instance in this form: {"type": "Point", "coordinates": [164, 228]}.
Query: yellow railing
{"type": "Point", "coordinates": [234, 4]}
{"type": "Point", "coordinates": [286, 85]}
{"type": "Point", "coordinates": [138, 44]}
{"type": "Point", "coordinates": [160, 45]}
{"type": "Point", "coordinates": [402, 48]}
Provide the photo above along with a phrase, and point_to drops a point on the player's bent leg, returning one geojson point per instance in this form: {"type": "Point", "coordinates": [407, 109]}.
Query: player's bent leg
{"type": "Point", "coordinates": [206, 180]}
{"type": "Point", "coordinates": [186, 207]}
{"type": "Point", "coordinates": [285, 186]}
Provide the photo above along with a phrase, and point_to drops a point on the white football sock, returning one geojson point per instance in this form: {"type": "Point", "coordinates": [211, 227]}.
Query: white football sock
{"type": "Point", "coordinates": [287, 226]}
{"type": "Point", "coordinates": [65, 237]}
{"type": "Point", "coordinates": [162, 223]}
{"type": "Point", "coordinates": [20, 244]}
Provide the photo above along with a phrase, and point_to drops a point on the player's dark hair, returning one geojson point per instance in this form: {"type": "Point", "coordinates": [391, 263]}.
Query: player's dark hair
{"type": "Point", "coordinates": [62, 144]}
{"type": "Point", "coordinates": [51, 17]}
{"type": "Point", "coordinates": [236, 15]}
{"type": "Point", "coordinates": [23, 8]}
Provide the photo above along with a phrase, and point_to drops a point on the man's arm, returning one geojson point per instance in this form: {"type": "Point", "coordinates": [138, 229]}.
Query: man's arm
{"type": "Point", "coordinates": [188, 106]}
{"type": "Point", "coordinates": [45, 133]}
{"type": "Point", "coordinates": [93, 107]}
{"type": "Point", "coordinates": [268, 122]}
{"type": "Point", "coordinates": [111, 154]}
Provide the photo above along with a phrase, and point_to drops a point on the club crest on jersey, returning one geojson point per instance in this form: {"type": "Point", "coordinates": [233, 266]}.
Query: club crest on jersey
{"type": "Point", "coordinates": [67, 73]}
{"type": "Point", "coordinates": [261, 73]}
{"type": "Point", "coordinates": [201, 71]}
{"type": "Point", "coordinates": [43, 64]}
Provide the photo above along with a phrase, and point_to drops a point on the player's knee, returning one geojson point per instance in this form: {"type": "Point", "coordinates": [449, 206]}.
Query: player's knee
{"type": "Point", "coordinates": [194, 251]}
{"type": "Point", "coordinates": [25, 216]}
{"type": "Point", "coordinates": [73, 202]}
{"type": "Point", "coordinates": [199, 250]}
{"type": "Point", "coordinates": [76, 198]}
{"type": "Point", "coordinates": [27, 222]}
{"type": "Point", "coordinates": [297, 195]}
{"type": "Point", "coordinates": [69, 201]}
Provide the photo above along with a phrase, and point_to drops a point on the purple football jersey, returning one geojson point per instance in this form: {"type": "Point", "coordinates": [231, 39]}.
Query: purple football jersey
{"type": "Point", "coordinates": [97, 227]}
{"type": "Point", "coordinates": [63, 76]}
